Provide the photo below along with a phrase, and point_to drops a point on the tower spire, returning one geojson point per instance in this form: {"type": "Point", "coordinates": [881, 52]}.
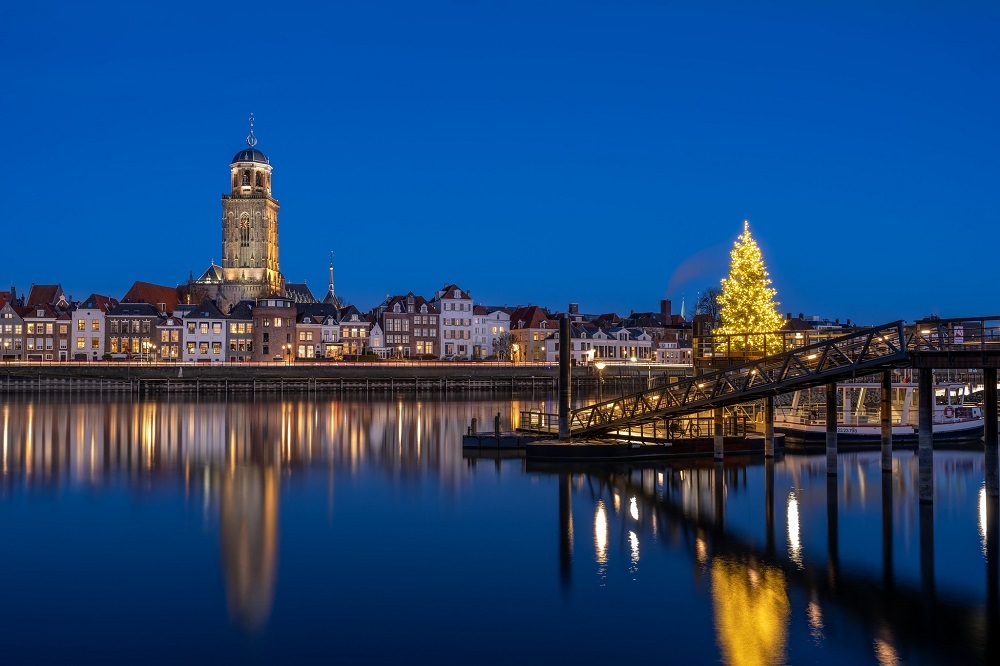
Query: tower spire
{"type": "Point", "coordinates": [251, 139]}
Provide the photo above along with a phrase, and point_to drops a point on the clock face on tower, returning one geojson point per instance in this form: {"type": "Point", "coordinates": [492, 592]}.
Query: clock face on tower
{"type": "Point", "coordinates": [245, 224]}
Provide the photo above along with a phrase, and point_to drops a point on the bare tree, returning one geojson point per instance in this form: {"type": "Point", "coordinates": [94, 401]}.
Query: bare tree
{"type": "Point", "coordinates": [708, 303]}
{"type": "Point", "coordinates": [501, 346]}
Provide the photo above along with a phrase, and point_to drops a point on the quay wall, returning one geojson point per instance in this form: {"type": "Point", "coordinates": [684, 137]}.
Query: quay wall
{"type": "Point", "coordinates": [317, 378]}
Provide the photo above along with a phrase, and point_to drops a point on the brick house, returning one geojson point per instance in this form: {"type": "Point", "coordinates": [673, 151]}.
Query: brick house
{"type": "Point", "coordinates": [274, 329]}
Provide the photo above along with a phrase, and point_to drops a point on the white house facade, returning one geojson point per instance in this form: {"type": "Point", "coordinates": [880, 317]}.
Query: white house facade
{"type": "Point", "coordinates": [456, 330]}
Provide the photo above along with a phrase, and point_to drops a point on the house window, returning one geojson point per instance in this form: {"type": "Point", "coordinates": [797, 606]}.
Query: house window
{"type": "Point", "coordinates": [81, 324]}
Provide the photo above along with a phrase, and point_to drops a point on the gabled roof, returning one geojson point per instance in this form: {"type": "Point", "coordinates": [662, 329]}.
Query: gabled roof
{"type": "Point", "coordinates": [212, 274]}
{"type": "Point", "coordinates": [50, 294]}
{"type": "Point", "coordinates": [299, 292]}
{"type": "Point", "coordinates": [154, 294]}
{"type": "Point", "coordinates": [242, 310]}
{"type": "Point", "coordinates": [205, 310]}
{"type": "Point", "coordinates": [404, 301]}
{"type": "Point", "coordinates": [7, 296]}
{"type": "Point", "coordinates": [46, 310]}
{"type": "Point", "coordinates": [531, 316]}
{"type": "Point", "coordinates": [448, 290]}
{"type": "Point", "coordinates": [98, 302]}
{"type": "Point", "coordinates": [316, 311]}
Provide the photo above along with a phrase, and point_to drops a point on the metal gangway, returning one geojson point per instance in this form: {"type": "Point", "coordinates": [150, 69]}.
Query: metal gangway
{"type": "Point", "coordinates": [862, 352]}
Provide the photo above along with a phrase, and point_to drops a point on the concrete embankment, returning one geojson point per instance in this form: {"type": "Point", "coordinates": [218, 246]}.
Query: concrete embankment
{"type": "Point", "coordinates": [254, 378]}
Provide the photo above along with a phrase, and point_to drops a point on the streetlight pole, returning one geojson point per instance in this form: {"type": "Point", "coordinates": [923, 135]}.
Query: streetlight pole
{"type": "Point", "coordinates": [600, 380]}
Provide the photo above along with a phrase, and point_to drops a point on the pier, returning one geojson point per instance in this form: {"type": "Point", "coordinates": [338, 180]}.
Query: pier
{"type": "Point", "coordinates": [732, 374]}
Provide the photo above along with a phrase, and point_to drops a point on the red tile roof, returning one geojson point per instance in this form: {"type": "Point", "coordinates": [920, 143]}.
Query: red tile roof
{"type": "Point", "coordinates": [154, 294]}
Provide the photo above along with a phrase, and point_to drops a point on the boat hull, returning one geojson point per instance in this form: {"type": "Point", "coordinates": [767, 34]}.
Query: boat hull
{"type": "Point", "coordinates": [954, 432]}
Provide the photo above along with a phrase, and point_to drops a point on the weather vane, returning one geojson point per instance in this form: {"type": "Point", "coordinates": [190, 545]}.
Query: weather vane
{"type": "Point", "coordinates": [251, 139]}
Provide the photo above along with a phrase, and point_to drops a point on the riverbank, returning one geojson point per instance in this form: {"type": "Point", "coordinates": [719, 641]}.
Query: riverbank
{"type": "Point", "coordinates": [317, 378]}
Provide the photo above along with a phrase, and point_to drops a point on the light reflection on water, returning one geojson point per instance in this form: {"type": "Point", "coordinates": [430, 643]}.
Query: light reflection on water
{"type": "Point", "coordinates": [409, 523]}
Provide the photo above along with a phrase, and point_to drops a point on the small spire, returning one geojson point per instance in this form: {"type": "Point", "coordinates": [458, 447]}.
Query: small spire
{"type": "Point", "coordinates": [251, 139]}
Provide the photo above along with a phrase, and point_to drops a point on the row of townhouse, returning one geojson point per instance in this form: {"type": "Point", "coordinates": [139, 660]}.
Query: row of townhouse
{"type": "Point", "coordinates": [270, 329]}
{"type": "Point", "coordinates": [152, 322]}
{"type": "Point", "coordinates": [590, 343]}
{"type": "Point", "coordinates": [449, 326]}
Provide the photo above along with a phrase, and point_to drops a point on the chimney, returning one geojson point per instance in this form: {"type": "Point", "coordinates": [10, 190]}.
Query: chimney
{"type": "Point", "coordinates": [574, 308]}
{"type": "Point", "coordinates": [665, 306]}
{"type": "Point", "coordinates": [788, 315]}
{"type": "Point", "coordinates": [801, 316]}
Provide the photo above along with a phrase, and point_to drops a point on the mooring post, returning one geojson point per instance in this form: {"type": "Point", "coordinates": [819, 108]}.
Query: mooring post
{"type": "Point", "coordinates": [831, 428]}
{"type": "Point", "coordinates": [886, 413]}
{"type": "Point", "coordinates": [565, 346]}
{"type": "Point", "coordinates": [720, 438]}
{"type": "Point", "coordinates": [990, 430]}
{"type": "Point", "coordinates": [925, 435]}
{"type": "Point", "coordinates": [769, 427]}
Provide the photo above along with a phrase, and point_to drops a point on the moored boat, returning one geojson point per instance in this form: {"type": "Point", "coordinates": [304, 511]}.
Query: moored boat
{"type": "Point", "coordinates": [859, 418]}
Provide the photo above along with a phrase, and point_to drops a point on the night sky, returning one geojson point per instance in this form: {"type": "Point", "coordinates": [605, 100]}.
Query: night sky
{"type": "Point", "coordinates": [599, 152]}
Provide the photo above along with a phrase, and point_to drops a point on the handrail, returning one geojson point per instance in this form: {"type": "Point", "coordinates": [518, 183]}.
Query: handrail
{"type": "Point", "coordinates": [863, 350]}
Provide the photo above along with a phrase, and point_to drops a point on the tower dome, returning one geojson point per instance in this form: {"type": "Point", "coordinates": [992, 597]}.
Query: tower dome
{"type": "Point", "coordinates": [250, 155]}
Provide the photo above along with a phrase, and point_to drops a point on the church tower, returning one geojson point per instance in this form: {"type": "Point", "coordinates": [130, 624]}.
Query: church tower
{"type": "Point", "coordinates": [250, 227]}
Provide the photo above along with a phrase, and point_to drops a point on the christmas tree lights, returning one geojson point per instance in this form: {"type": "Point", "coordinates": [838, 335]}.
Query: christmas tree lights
{"type": "Point", "coordinates": [747, 303]}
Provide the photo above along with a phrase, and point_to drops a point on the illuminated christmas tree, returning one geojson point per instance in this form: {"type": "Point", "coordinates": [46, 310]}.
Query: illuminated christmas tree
{"type": "Point", "coordinates": [747, 304]}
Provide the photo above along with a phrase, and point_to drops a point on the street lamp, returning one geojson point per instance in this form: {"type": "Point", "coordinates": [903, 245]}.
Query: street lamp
{"type": "Point", "coordinates": [600, 380]}
{"type": "Point", "coordinates": [513, 352]}
{"type": "Point", "coordinates": [288, 353]}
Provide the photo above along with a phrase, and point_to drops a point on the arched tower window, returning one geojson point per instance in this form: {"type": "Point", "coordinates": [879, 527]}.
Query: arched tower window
{"type": "Point", "coordinates": [246, 177]}
{"type": "Point", "coordinates": [260, 179]}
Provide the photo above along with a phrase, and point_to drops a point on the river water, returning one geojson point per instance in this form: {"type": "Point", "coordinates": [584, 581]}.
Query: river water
{"type": "Point", "coordinates": [355, 531]}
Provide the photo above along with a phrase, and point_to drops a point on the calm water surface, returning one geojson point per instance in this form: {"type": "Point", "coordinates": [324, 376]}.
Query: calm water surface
{"type": "Point", "coordinates": [355, 531]}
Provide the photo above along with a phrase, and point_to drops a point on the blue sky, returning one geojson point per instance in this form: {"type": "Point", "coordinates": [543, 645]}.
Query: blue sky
{"type": "Point", "coordinates": [598, 152]}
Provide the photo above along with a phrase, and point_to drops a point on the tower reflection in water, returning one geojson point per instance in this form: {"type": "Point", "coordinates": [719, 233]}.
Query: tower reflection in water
{"type": "Point", "coordinates": [758, 590]}
{"type": "Point", "coordinates": [233, 456]}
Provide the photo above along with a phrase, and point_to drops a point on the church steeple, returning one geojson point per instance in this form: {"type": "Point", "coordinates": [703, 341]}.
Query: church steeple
{"type": "Point", "coordinates": [331, 296]}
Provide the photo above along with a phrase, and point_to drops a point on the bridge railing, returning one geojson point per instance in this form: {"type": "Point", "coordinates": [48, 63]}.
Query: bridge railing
{"type": "Point", "coordinates": [733, 349]}
{"type": "Point", "coordinates": [865, 350]}
{"type": "Point", "coordinates": [953, 335]}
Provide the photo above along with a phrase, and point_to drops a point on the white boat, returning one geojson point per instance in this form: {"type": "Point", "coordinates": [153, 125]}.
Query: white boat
{"type": "Point", "coordinates": [859, 414]}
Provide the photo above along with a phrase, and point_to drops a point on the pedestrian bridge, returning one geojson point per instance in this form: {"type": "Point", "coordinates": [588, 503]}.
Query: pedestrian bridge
{"type": "Point", "coordinates": [965, 343]}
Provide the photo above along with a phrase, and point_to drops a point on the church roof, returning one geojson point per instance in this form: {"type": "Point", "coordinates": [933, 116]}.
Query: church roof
{"type": "Point", "coordinates": [299, 292]}
{"type": "Point", "coordinates": [213, 274]}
